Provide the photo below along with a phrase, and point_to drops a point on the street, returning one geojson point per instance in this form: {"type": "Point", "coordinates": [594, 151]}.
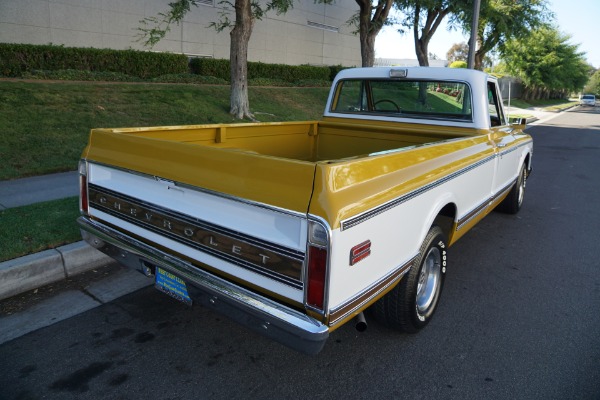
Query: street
{"type": "Point", "coordinates": [518, 319]}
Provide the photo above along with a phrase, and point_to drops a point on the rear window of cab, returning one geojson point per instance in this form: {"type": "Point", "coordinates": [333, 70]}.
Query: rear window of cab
{"type": "Point", "coordinates": [406, 99]}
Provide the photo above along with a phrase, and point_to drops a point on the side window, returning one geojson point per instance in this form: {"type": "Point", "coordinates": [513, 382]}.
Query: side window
{"type": "Point", "coordinates": [350, 97]}
{"type": "Point", "coordinates": [497, 117]}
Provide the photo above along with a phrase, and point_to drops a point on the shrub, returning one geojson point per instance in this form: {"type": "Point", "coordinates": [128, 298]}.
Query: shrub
{"type": "Point", "coordinates": [73, 63]}
{"type": "Point", "coordinates": [210, 67]}
{"type": "Point", "coordinates": [458, 64]}
{"type": "Point", "coordinates": [260, 71]}
{"type": "Point", "coordinates": [288, 73]}
{"type": "Point", "coordinates": [17, 59]}
{"type": "Point", "coordinates": [334, 70]}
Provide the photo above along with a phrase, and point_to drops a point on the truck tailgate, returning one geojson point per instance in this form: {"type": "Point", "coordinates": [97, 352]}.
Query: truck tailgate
{"type": "Point", "coordinates": [278, 182]}
{"type": "Point", "coordinates": [241, 216]}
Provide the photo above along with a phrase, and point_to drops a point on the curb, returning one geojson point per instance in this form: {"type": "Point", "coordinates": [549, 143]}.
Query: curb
{"type": "Point", "coordinates": [35, 270]}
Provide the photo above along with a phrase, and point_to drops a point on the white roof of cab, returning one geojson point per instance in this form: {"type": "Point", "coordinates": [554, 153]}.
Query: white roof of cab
{"type": "Point", "coordinates": [477, 81]}
{"type": "Point", "coordinates": [461, 74]}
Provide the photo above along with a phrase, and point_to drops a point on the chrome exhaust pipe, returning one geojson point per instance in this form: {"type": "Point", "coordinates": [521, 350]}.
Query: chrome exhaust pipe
{"type": "Point", "coordinates": [360, 323]}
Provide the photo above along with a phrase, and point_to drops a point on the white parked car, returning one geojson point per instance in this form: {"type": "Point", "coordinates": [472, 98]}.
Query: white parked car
{"type": "Point", "coordinates": [587, 100]}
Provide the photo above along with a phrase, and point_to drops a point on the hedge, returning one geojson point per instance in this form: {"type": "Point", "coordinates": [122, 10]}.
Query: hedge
{"type": "Point", "coordinates": [257, 70]}
{"type": "Point", "coordinates": [17, 59]}
{"type": "Point", "coordinates": [334, 70]}
{"type": "Point", "coordinates": [458, 64]}
{"type": "Point", "coordinates": [45, 61]}
{"type": "Point", "coordinates": [210, 67]}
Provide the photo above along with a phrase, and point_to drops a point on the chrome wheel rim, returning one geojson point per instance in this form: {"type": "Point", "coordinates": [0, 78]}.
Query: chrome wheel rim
{"type": "Point", "coordinates": [522, 187]}
{"type": "Point", "coordinates": [429, 281]}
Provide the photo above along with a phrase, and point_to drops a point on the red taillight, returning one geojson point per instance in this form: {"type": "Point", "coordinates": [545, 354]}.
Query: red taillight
{"type": "Point", "coordinates": [317, 268]}
{"type": "Point", "coordinates": [83, 189]}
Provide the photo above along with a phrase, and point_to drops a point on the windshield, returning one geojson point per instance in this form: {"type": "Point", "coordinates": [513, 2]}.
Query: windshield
{"type": "Point", "coordinates": [588, 97]}
{"type": "Point", "coordinates": [406, 99]}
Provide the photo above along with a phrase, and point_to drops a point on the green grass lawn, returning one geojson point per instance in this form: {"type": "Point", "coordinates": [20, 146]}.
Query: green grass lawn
{"type": "Point", "coordinates": [546, 105]}
{"type": "Point", "coordinates": [555, 104]}
{"type": "Point", "coordinates": [44, 126]}
{"type": "Point", "coordinates": [37, 227]}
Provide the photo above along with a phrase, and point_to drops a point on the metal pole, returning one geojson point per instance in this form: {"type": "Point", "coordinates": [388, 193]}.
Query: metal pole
{"type": "Point", "coordinates": [509, 85]}
{"type": "Point", "coordinates": [473, 41]}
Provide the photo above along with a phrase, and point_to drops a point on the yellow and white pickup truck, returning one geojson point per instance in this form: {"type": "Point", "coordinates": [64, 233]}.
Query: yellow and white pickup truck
{"type": "Point", "coordinates": [295, 228]}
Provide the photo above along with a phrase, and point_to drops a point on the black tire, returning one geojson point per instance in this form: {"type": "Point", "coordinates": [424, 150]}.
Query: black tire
{"type": "Point", "coordinates": [410, 305]}
{"type": "Point", "coordinates": [514, 201]}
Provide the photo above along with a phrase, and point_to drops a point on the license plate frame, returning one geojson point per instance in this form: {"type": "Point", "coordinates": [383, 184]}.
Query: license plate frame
{"type": "Point", "coordinates": [172, 285]}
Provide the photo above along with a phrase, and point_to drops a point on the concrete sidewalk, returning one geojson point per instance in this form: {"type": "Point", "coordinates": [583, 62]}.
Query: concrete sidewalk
{"type": "Point", "coordinates": [37, 189]}
{"type": "Point", "coordinates": [534, 115]}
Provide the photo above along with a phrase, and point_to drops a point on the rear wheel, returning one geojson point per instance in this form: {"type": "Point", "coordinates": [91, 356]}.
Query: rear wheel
{"type": "Point", "coordinates": [513, 202]}
{"type": "Point", "coordinates": [411, 304]}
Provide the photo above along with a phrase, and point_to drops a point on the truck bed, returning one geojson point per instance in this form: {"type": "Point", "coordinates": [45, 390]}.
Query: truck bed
{"type": "Point", "coordinates": [260, 159]}
{"type": "Point", "coordinates": [312, 141]}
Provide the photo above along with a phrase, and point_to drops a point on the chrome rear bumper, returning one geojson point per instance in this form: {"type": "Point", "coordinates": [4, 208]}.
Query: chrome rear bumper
{"type": "Point", "coordinates": [267, 317]}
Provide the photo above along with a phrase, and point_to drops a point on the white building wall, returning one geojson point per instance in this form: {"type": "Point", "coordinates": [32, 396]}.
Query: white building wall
{"type": "Point", "coordinates": [286, 39]}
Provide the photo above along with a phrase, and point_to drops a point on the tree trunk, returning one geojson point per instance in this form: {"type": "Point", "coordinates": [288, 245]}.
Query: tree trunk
{"type": "Point", "coordinates": [238, 58]}
{"type": "Point", "coordinates": [367, 41]}
{"type": "Point", "coordinates": [369, 27]}
{"type": "Point", "coordinates": [434, 17]}
{"type": "Point", "coordinates": [479, 60]}
{"type": "Point", "coordinates": [421, 43]}
{"type": "Point", "coordinates": [480, 52]}
{"type": "Point", "coordinates": [421, 47]}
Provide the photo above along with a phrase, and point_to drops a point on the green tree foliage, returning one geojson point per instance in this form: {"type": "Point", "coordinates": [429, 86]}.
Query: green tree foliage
{"type": "Point", "coordinates": [501, 20]}
{"type": "Point", "coordinates": [548, 65]}
{"type": "Point", "coordinates": [424, 17]}
{"type": "Point", "coordinates": [458, 52]}
{"type": "Point", "coordinates": [593, 85]}
{"type": "Point", "coordinates": [458, 64]}
{"type": "Point", "coordinates": [498, 69]}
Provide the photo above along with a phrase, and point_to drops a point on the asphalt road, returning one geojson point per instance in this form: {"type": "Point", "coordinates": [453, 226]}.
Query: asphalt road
{"type": "Point", "coordinates": [519, 319]}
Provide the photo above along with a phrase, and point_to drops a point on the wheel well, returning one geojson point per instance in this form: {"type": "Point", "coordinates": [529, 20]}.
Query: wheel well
{"type": "Point", "coordinates": [445, 220]}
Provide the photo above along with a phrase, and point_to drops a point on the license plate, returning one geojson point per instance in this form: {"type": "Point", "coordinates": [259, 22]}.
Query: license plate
{"type": "Point", "coordinates": [172, 285]}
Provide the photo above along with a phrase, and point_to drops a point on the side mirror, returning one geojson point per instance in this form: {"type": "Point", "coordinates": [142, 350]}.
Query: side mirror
{"type": "Point", "coordinates": [519, 123]}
